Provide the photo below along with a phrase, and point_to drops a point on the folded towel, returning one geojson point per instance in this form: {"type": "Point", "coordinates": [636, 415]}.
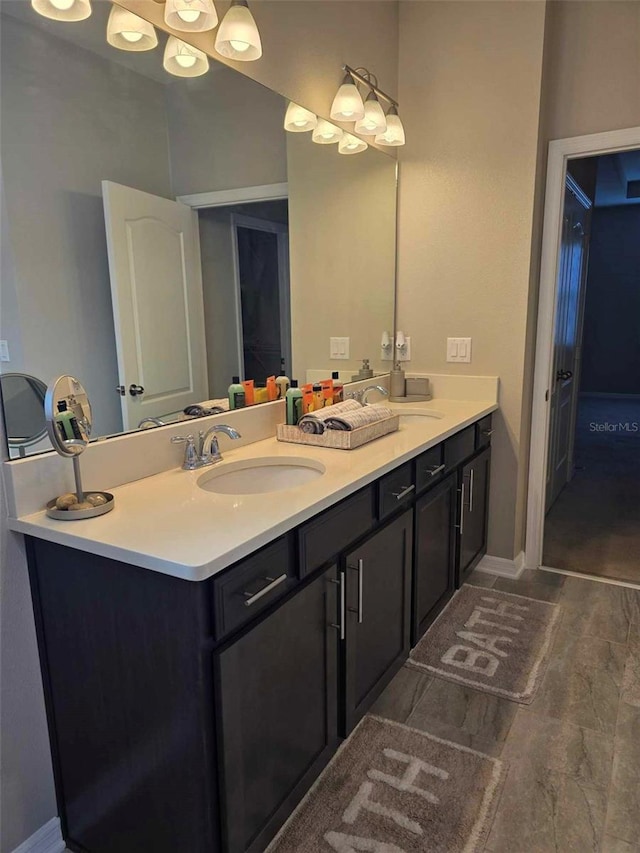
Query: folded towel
{"type": "Point", "coordinates": [353, 420]}
{"type": "Point", "coordinates": [314, 422]}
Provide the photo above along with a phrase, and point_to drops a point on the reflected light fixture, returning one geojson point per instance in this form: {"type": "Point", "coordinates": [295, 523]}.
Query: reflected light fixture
{"type": "Point", "coordinates": [127, 31]}
{"type": "Point", "coordinates": [350, 144]}
{"type": "Point", "coordinates": [394, 134]}
{"type": "Point", "coordinates": [190, 16]}
{"type": "Point", "coordinates": [326, 133]}
{"type": "Point", "coordinates": [299, 120]}
{"type": "Point", "coordinates": [238, 37]}
{"type": "Point", "coordinates": [347, 104]}
{"type": "Point", "coordinates": [184, 60]}
{"type": "Point", "coordinates": [373, 121]}
{"type": "Point", "coordinates": [63, 10]}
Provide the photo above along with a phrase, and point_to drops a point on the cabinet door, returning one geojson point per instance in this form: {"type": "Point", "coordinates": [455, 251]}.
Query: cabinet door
{"type": "Point", "coordinates": [378, 577]}
{"type": "Point", "coordinates": [277, 713]}
{"type": "Point", "coordinates": [474, 505]}
{"type": "Point", "coordinates": [434, 554]}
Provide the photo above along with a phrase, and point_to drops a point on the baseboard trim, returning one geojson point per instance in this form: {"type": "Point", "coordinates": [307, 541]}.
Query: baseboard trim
{"type": "Point", "coordinates": [587, 577]}
{"type": "Point", "coordinates": [502, 567]}
{"type": "Point", "coordinates": [47, 839]}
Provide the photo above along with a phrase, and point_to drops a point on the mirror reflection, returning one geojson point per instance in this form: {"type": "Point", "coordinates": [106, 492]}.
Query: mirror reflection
{"type": "Point", "coordinates": [161, 235]}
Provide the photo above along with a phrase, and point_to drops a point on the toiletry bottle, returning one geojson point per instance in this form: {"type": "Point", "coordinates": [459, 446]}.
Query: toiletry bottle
{"type": "Point", "coordinates": [365, 371]}
{"type": "Point", "coordinates": [308, 399]}
{"type": "Point", "coordinates": [282, 381]}
{"type": "Point", "coordinates": [338, 387]}
{"type": "Point", "coordinates": [293, 399]}
{"type": "Point", "coordinates": [327, 392]}
{"type": "Point", "coordinates": [64, 419]}
{"type": "Point", "coordinates": [248, 392]}
{"type": "Point", "coordinates": [236, 394]}
{"type": "Point", "coordinates": [272, 389]}
{"type": "Point", "coordinates": [397, 381]}
{"type": "Point", "coordinates": [318, 397]}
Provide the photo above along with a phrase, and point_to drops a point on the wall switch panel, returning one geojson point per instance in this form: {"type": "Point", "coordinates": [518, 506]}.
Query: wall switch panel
{"type": "Point", "coordinates": [404, 354]}
{"type": "Point", "coordinates": [459, 350]}
{"type": "Point", "coordinates": [4, 351]}
{"type": "Point", "coordinates": [339, 348]}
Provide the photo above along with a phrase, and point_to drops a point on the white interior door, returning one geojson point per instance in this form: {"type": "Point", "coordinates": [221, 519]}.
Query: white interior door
{"type": "Point", "coordinates": [566, 355]}
{"type": "Point", "coordinates": [156, 290]}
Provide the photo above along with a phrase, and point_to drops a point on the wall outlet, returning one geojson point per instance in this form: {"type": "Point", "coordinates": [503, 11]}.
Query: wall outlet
{"type": "Point", "coordinates": [404, 354]}
{"type": "Point", "coordinates": [339, 347]}
{"type": "Point", "coordinates": [4, 351]}
{"type": "Point", "coordinates": [459, 350]}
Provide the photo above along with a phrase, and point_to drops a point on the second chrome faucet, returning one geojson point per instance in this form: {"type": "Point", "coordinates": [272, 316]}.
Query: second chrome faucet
{"type": "Point", "coordinates": [203, 450]}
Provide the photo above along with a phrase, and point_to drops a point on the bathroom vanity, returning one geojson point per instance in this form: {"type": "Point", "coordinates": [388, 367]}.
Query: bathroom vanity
{"type": "Point", "coordinates": [193, 712]}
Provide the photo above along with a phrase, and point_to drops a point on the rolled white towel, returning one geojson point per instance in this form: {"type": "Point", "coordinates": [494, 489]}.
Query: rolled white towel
{"type": "Point", "coordinates": [353, 420]}
{"type": "Point", "coordinates": [314, 423]}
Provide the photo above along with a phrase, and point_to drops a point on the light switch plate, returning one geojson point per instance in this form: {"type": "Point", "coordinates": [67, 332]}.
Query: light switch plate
{"type": "Point", "coordinates": [459, 350]}
{"type": "Point", "coordinates": [4, 351]}
{"type": "Point", "coordinates": [339, 348]}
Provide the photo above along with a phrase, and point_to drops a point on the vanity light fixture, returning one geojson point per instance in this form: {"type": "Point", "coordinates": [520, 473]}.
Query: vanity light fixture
{"type": "Point", "coordinates": [63, 10]}
{"type": "Point", "coordinates": [127, 31]}
{"type": "Point", "coordinates": [184, 60]}
{"type": "Point", "coordinates": [394, 134]}
{"type": "Point", "coordinates": [347, 104]}
{"type": "Point", "coordinates": [326, 133]}
{"type": "Point", "coordinates": [299, 120]}
{"type": "Point", "coordinates": [373, 122]}
{"type": "Point", "coordinates": [238, 37]}
{"type": "Point", "coordinates": [350, 144]}
{"type": "Point", "coordinates": [191, 16]}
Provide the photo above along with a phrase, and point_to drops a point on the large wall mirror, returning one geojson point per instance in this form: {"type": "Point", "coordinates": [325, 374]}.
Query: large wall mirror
{"type": "Point", "coordinates": [162, 234]}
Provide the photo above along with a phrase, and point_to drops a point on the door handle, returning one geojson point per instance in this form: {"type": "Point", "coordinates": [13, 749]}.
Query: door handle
{"type": "Point", "coordinates": [404, 491]}
{"type": "Point", "coordinates": [563, 375]}
{"type": "Point", "coordinates": [136, 390]}
{"type": "Point", "coordinates": [471, 491]}
{"type": "Point", "coordinates": [343, 605]}
{"type": "Point", "coordinates": [435, 470]}
{"type": "Point", "coordinates": [272, 583]}
{"type": "Point", "coordinates": [360, 570]}
{"type": "Point", "coordinates": [461, 525]}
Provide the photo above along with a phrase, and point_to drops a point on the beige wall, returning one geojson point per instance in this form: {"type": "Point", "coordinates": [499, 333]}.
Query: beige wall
{"type": "Point", "coordinates": [469, 86]}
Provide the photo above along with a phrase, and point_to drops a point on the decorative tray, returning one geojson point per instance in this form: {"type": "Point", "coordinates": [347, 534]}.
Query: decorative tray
{"type": "Point", "coordinates": [336, 438]}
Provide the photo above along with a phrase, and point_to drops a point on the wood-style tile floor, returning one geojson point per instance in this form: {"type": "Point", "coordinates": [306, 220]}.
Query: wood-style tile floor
{"type": "Point", "coordinates": [574, 754]}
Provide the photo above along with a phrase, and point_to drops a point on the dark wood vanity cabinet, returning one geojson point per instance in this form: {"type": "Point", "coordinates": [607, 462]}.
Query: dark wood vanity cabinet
{"type": "Point", "coordinates": [434, 560]}
{"type": "Point", "coordinates": [277, 712]}
{"type": "Point", "coordinates": [377, 575]}
{"type": "Point", "coordinates": [472, 513]}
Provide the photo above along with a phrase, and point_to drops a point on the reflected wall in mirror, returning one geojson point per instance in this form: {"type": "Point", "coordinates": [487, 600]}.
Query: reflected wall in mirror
{"type": "Point", "coordinates": [160, 235]}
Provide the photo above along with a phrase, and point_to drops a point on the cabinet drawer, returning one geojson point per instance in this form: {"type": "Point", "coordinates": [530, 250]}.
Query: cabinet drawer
{"type": "Point", "coordinates": [483, 432]}
{"type": "Point", "coordinates": [429, 467]}
{"type": "Point", "coordinates": [459, 447]}
{"type": "Point", "coordinates": [395, 489]}
{"type": "Point", "coordinates": [322, 539]}
{"type": "Point", "coordinates": [253, 584]}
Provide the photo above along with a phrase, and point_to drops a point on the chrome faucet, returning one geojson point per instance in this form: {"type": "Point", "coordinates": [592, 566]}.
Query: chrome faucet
{"type": "Point", "coordinates": [363, 396]}
{"type": "Point", "coordinates": [207, 451]}
{"type": "Point", "coordinates": [151, 421]}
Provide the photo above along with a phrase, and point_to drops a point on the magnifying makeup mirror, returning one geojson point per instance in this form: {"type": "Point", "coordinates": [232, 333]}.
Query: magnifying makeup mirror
{"type": "Point", "coordinates": [69, 422]}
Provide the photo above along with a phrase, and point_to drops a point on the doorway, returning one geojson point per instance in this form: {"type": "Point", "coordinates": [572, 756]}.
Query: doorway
{"type": "Point", "coordinates": [584, 492]}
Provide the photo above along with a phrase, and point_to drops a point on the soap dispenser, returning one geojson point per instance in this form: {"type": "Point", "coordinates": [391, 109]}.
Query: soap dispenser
{"type": "Point", "coordinates": [397, 382]}
{"type": "Point", "coordinates": [365, 372]}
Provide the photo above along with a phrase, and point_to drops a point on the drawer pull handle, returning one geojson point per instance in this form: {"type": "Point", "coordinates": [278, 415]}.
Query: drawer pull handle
{"type": "Point", "coordinates": [404, 491]}
{"type": "Point", "coordinates": [487, 432]}
{"type": "Point", "coordinates": [435, 470]}
{"type": "Point", "coordinates": [343, 605]}
{"type": "Point", "coordinates": [252, 597]}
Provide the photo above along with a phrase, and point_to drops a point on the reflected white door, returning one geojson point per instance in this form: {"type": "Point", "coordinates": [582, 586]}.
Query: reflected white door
{"type": "Point", "coordinates": [568, 332]}
{"type": "Point", "coordinates": [156, 290]}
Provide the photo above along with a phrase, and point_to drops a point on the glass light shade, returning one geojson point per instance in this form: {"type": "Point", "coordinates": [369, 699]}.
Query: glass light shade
{"type": "Point", "coordinates": [326, 133]}
{"type": "Point", "coordinates": [190, 16]}
{"type": "Point", "coordinates": [347, 104]}
{"type": "Point", "coordinates": [63, 10]}
{"type": "Point", "coordinates": [299, 120]}
{"type": "Point", "coordinates": [350, 144]}
{"type": "Point", "coordinates": [374, 120]}
{"type": "Point", "coordinates": [394, 134]}
{"type": "Point", "coordinates": [127, 31]}
{"type": "Point", "coordinates": [184, 60]}
{"type": "Point", "coordinates": [238, 37]}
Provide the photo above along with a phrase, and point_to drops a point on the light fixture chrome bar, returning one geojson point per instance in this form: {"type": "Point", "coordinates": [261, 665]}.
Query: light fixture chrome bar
{"type": "Point", "coordinates": [366, 81]}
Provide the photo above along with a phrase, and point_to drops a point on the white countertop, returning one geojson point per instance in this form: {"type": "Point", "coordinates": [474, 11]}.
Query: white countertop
{"type": "Point", "coordinates": [168, 524]}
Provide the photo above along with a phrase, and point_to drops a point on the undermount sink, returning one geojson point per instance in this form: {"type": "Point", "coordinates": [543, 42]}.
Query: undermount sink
{"type": "Point", "coordinates": [261, 476]}
{"type": "Point", "coordinates": [415, 414]}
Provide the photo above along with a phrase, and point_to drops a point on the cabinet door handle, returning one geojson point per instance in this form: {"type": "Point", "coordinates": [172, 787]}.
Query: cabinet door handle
{"type": "Point", "coordinates": [404, 491]}
{"type": "Point", "coordinates": [461, 525]}
{"type": "Point", "coordinates": [435, 470]}
{"type": "Point", "coordinates": [471, 491]}
{"type": "Point", "coordinates": [252, 597]}
{"type": "Point", "coordinates": [343, 605]}
{"type": "Point", "coordinates": [487, 432]}
{"type": "Point", "coordinates": [360, 570]}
